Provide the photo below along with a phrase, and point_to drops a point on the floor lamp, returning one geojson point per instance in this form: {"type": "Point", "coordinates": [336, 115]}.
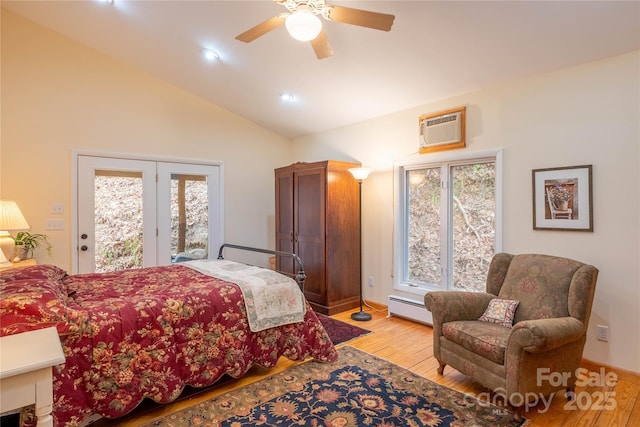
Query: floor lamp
{"type": "Point", "coordinates": [360, 174]}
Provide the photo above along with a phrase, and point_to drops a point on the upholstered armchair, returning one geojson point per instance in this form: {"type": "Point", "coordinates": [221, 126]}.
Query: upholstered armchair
{"type": "Point", "coordinates": [550, 299]}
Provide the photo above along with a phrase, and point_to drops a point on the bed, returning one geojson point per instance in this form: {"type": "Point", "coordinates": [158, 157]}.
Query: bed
{"type": "Point", "coordinates": [148, 333]}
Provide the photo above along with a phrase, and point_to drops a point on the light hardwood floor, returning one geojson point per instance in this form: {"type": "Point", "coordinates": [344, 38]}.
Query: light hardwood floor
{"type": "Point", "coordinates": [409, 345]}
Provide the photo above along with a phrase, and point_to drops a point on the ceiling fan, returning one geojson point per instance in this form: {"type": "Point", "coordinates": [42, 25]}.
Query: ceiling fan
{"type": "Point", "coordinates": [303, 23]}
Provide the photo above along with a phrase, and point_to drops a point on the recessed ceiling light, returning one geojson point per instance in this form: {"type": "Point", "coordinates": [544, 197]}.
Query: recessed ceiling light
{"type": "Point", "coordinates": [210, 55]}
{"type": "Point", "coordinates": [287, 97]}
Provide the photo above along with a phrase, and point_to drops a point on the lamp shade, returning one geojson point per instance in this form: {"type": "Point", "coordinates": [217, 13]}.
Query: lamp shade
{"type": "Point", "coordinates": [303, 25]}
{"type": "Point", "coordinates": [11, 219]}
{"type": "Point", "coordinates": [360, 173]}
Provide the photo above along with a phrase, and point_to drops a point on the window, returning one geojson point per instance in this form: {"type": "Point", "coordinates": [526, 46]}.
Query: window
{"type": "Point", "coordinates": [447, 221]}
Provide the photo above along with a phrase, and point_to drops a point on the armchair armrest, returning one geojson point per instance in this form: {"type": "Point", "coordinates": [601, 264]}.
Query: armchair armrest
{"type": "Point", "coordinates": [541, 335]}
{"type": "Point", "coordinates": [447, 306]}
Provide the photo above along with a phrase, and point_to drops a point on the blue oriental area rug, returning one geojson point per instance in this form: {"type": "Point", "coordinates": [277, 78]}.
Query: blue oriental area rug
{"type": "Point", "coordinates": [358, 390]}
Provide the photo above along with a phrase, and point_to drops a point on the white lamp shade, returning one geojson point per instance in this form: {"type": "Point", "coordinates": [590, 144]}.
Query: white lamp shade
{"type": "Point", "coordinates": [11, 219]}
{"type": "Point", "coordinates": [303, 25]}
{"type": "Point", "coordinates": [360, 173]}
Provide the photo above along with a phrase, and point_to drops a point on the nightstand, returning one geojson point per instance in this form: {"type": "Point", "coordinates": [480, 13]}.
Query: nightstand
{"type": "Point", "coordinates": [23, 263]}
{"type": "Point", "coordinates": [26, 374]}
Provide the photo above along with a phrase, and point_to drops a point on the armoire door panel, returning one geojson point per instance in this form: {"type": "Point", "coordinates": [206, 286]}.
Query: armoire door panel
{"type": "Point", "coordinates": [309, 200]}
{"type": "Point", "coordinates": [284, 221]}
{"type": "Point", "coordinates": [314, 285]}
{"type": "Point", "coordinates": [309, 223]}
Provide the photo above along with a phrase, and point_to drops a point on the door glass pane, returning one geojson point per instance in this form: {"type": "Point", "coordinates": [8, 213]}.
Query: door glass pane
{"type": "Point", "coordinates": [474, 218]}
{"type": "Point", "coordinates": [118, 220]}
{"type": "Point", "coordinates": [189, 217]}
{"type": "Point", "coordinates": [423, 226]}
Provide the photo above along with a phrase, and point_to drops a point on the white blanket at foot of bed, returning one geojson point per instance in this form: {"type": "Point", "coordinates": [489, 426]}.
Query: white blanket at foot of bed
{"type": "Point", "coordinates": [272, 299]}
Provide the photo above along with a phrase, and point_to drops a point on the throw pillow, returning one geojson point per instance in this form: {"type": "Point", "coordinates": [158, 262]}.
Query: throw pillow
{"type": "Point", "coordinates": [500, 311]}
{"type": "Point", "coordinates": [43, 271]}
{"type": "Point", "coordinates": [30, 304]}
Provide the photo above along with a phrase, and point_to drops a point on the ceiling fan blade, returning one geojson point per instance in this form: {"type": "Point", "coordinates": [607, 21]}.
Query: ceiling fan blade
{"type": "Point", "coordinates": [321, 45]}
{"type": "Point", "coordinates": [362, 18]}
{"type": "Point", "coordinates": [261, 29]}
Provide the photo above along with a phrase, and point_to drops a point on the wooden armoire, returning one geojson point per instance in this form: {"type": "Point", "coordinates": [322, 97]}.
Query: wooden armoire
{"type": "Point", "coordinates": [318, 218]}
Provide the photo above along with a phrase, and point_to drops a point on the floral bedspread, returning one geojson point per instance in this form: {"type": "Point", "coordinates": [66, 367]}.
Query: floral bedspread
{"type": "Point", "coordinates": [145, 333]}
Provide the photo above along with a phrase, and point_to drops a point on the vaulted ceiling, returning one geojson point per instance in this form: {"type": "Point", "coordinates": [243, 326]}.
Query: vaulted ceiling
{"type": "Point", "coordinates": [435, 49]}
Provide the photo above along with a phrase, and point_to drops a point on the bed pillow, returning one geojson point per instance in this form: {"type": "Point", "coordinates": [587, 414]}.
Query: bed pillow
{"type": "Point", "coordinates": [500, 311]}
{"type": "Point", "coordinates": [44, 271]}
{"type": "Point", "coordinates": [30, 304]}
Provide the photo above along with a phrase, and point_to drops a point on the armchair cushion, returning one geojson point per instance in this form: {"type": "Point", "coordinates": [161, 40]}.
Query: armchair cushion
{"type": "Point", "coordinates": [486, 339]}
{"type": "Point", "coordinates": [541, 284]}
{"type": "Point", "coordinates": [500, 311]}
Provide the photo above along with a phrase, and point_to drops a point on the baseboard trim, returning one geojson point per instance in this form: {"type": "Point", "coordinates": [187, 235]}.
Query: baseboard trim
{"type": "Point", "coordinates": [623, 374]}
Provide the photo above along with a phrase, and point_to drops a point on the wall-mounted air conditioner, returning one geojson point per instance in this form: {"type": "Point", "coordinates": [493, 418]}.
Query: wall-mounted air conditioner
{"type": "Point", "coordinates": [442, 131]}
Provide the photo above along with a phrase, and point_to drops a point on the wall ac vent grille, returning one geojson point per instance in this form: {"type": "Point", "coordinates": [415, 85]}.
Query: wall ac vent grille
{"type": "Point", "coordinates": [441, 130]}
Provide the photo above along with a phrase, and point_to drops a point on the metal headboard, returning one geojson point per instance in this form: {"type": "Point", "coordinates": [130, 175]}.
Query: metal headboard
{"type": "Point", "coordinates": [299, 277]}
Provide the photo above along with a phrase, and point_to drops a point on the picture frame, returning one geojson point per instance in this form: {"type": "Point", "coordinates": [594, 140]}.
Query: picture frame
{"type": "Point", "coordinates": [563, 198]}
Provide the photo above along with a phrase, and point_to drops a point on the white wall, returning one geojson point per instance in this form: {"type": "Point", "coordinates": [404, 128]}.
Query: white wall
{"type": "Point", "coordinates": [583, 115]}
{"type": "Point", "coordinates": [58, 95]}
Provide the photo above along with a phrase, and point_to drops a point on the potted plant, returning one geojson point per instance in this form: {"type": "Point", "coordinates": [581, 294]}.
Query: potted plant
{"type": "Point", "coordinates": [26, 243]}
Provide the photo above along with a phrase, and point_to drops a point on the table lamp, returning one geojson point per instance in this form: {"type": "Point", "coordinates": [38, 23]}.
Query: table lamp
{"type": "Point", "coordinates": [11, 219]}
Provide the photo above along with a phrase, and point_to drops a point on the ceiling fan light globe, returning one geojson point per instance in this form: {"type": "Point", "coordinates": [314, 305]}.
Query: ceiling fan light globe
{"type": "Point", "coordinates": [303, 25]}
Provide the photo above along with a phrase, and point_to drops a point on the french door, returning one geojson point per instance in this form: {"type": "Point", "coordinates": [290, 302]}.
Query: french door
{"type": "Point", "coordinates": [139, 213]}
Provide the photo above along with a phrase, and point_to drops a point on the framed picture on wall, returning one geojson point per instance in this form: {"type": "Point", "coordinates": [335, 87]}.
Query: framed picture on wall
{"type": "Point", "coordinates": [563, 199]}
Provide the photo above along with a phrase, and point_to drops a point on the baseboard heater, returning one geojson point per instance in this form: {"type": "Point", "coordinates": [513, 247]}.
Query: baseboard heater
{"type": "Point", "coordinates": [410, 309]}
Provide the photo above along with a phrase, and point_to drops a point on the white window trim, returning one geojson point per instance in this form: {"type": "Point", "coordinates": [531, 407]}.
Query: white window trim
{"type": "Point", "coordinates": [399, 207]}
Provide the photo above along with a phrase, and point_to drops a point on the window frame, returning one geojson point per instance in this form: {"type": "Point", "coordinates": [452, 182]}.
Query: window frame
{"type": "Point", "coordinates": [400, 283]}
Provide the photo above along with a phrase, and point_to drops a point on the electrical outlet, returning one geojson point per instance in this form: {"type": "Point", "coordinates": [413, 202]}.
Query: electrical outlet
{"type": "Point", "coordinates": [602, 333]}
{"type": "Point", "coordinates": [370, 281]}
